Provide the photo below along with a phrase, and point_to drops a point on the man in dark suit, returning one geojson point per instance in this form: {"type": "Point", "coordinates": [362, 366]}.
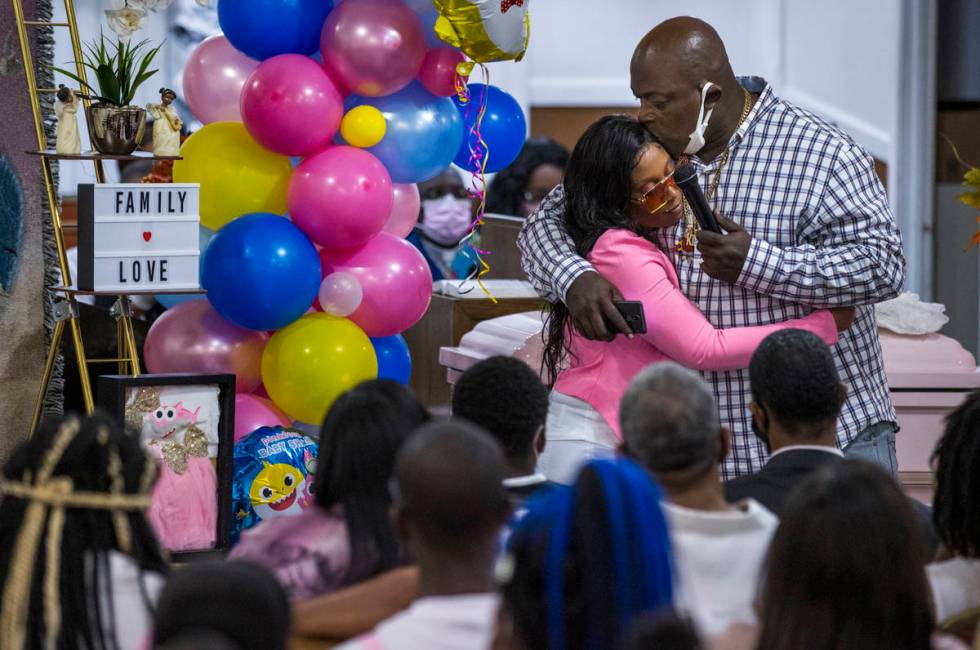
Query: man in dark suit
{"type": "Point", "coordinates": [797, 396]}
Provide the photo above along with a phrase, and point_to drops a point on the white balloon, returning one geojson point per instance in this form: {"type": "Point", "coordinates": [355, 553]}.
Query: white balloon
{"type": "Point", "coordinates": [340, 294]}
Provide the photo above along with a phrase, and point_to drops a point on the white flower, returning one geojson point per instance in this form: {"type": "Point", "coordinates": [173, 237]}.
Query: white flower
{"type": "Point", "coordinates": [125, 21]}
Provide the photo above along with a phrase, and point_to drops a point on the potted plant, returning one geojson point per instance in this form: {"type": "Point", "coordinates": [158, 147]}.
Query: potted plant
{"type": "Point", "coordinates": [119, 69]}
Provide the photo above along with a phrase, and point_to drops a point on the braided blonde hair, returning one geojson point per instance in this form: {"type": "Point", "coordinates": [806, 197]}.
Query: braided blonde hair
{"type": "Point", "coordinates": [46, 496]}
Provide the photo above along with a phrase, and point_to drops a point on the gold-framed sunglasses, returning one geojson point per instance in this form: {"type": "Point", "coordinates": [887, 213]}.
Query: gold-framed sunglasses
{"type": "Point", "coordinates": [657, 196]}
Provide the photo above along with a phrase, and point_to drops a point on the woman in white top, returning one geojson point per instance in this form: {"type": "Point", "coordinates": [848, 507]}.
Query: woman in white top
{"type": "Point", "coordinates": [79, 564]}
{"type": "Point", "coordinates": [955, 579]}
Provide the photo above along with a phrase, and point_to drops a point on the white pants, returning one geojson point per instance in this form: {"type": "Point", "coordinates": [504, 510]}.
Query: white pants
{"type": "Point", "coordinates": [576, 434]}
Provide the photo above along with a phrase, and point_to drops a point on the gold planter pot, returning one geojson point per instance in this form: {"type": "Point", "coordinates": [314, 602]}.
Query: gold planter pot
{"type": "Point", "coordinates": [116, 130]}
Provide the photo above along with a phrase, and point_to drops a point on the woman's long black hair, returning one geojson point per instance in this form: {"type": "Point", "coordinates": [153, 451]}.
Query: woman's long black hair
{"type": "Point", "coordinates": [598, 187]}
{"type": "Point", "coordinates": [96, 453]}
{"type": "Point", "coordinates": [846, 567]}
{"type": "Point", "coordinates": [359, 439]}
{"type": "Point", "coordinates": [506, 191]}
{"type": "Point", "coordinates": [956, 506]}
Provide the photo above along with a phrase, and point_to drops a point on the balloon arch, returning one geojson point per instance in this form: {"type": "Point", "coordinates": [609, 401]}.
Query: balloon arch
{"type": "Point", "coordinates": [319, 121]}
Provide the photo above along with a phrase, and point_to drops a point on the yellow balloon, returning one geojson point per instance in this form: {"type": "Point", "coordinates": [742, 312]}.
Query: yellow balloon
{"type": "Point", "coordinates": [308, 364]}
{"type": "Point", "coordinates": [363, 126]}
{"type": "Point", "coordinates": [237, 175]}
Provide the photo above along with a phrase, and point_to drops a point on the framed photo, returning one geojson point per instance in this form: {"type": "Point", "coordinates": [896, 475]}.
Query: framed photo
{"type": "Point", "coordinates": [186, 422]}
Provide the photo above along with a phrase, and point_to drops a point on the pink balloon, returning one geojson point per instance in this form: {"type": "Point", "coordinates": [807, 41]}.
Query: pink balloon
{"type": "Point", "coordinates": [341, 197]}
{"type": "Point", "coordinates": [290, 105]}
{"type": "Point", "coordinates": [405, 211]}
{"type": "Point", "coordinates": [438, 72]}
{"type": "Point", "coordinates": [340, 294]}
{"type": "Point", "coordinates": [214, 76]}
{"type": "Point", "coordinates": [252, 412]}
{"type": "Point", "coordinates": [193, 337]}
{"type": "Point", "coordinates": [372, 47]}
{"type": "Point", "coordinates": [395, 280]}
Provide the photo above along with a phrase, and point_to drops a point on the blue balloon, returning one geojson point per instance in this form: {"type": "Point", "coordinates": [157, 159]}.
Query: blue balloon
{"type": "Point", "coordinates": [424, 132]}
{"type": "Point", "coordinates": [168, 300]}
{"type": "Point", "coordinates": [504, 128]}
{"type": "Point", "coordinates": [261, 272]}
{"type": "Point", "coordinates": [428, 15]}
{"type": "Point", "coordinates": [394, 360]}
{"type": "Point", "coordinates": [265, 28]}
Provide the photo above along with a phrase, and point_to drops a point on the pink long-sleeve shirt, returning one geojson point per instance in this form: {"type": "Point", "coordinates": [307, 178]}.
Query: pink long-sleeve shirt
{"type": "Point", "coordinates": [599, 372]}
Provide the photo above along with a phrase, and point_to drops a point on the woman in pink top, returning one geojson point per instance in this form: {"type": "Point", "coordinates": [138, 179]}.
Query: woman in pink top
{"type": "Point", "coordinates": [619, 189]}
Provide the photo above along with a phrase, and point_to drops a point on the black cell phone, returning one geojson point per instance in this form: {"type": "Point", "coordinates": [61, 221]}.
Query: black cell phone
{"type": "Point", "coordinates": [632, 312]}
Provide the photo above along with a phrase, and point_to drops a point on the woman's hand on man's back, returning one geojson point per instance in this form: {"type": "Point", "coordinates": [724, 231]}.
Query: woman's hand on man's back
{"type": "Point", "coordinates": [843, 317]}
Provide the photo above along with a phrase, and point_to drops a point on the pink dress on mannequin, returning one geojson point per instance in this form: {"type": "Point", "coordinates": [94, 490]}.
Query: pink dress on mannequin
{"type": "Point", "coordinates": [184, 506]}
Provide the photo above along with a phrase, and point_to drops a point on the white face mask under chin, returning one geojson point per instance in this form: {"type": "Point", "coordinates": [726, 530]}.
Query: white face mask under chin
{"type": "Point", "coordinates": [445, 220]}
{"type": "Point", "coordinates": [695, 141]}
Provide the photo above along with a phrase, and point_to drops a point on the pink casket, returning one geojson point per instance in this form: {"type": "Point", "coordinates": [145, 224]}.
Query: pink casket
{"type": "Point", "coordinates": [929, 376]}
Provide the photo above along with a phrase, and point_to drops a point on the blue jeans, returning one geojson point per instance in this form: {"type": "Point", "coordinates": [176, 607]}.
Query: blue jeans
{"type": "Point", "coordinates": [877, 445]}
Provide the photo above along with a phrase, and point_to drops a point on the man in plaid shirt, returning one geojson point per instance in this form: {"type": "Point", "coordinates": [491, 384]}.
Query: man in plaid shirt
{"type": "Point", "coordinates": [807, 225]}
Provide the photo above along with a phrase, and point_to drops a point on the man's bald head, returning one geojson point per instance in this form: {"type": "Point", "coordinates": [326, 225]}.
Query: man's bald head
{"type": "Point", "coordinates": [688, 46]}
{"type": "Point", "coordinates": [670, 67]}
{"type": "Point", "coordinates": [450, 480]}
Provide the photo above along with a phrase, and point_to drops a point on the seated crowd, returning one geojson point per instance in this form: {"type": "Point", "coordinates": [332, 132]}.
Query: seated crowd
{"type": "Point", "coordinates": [442, 534]}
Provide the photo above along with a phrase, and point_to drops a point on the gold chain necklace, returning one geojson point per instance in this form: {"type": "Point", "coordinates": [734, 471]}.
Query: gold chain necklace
{"type": "Point", "coordinates": [689, 240]}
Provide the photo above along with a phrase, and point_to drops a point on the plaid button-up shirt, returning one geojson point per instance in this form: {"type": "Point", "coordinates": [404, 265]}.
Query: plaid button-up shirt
{"type": "Point", "coordinates": [823, 236]}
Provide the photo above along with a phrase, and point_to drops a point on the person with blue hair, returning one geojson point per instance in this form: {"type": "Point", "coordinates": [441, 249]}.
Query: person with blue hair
{"type": "Point", "coordinates": [585, 562]}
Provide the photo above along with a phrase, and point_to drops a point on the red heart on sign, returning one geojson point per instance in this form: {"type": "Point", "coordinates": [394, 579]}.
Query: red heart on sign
{"type": "Point", "coordinates": [146, 235]}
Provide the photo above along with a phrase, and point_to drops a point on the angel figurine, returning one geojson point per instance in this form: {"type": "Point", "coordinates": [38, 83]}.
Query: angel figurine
{"type": "Point", "coordinates": [67, 140]}
{"type": "Point", "coordinates": [166, 125]}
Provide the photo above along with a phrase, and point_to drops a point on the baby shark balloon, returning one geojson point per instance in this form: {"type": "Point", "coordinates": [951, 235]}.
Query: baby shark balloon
{"type": "Point", "coordinates": [272, 476]}
{"type": "Point", "coordinates": [276, 490]}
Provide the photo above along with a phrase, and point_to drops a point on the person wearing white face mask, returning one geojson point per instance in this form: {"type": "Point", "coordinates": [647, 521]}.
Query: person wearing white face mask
{"type": "Point", "coordinates": [696, 142]}
{"type": "Point", "coordinates": [444, 220]}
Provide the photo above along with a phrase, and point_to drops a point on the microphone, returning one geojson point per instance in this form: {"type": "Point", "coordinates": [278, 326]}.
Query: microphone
{"type": "Point", "coordinates": [686, 179]}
